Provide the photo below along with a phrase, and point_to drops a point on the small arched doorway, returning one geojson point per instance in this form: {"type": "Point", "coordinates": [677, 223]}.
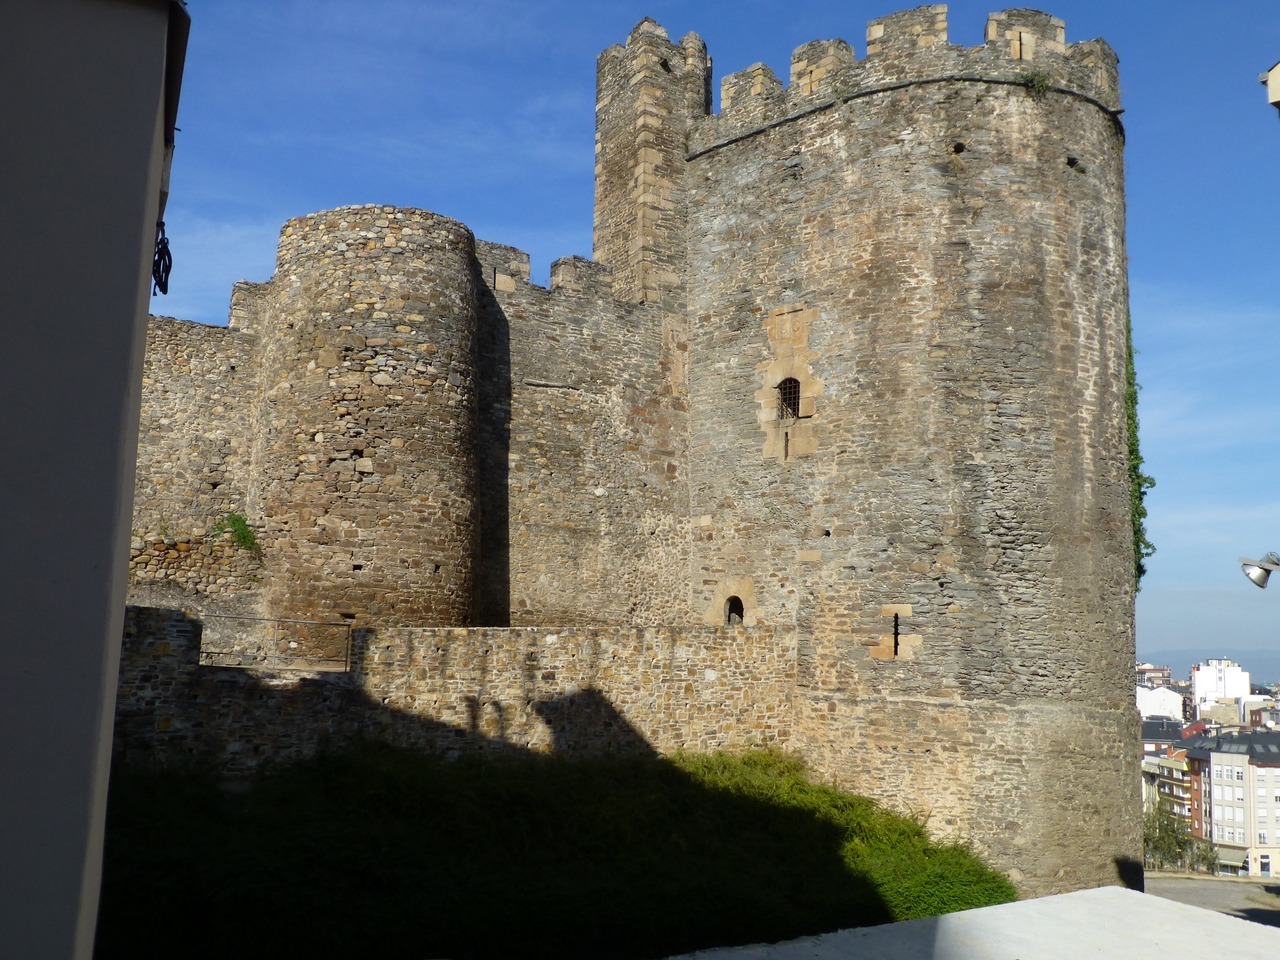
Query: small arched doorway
{"type": "Point", "coordinates": [733, 611]}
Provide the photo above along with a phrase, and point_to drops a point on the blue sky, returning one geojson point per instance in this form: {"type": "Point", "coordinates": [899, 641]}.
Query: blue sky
{"type": "Point", "coordinates": [484, 111]}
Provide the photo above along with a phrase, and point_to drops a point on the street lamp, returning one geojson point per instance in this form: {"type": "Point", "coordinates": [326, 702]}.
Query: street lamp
{"type": "Point", "coordinates": [1259, 570]}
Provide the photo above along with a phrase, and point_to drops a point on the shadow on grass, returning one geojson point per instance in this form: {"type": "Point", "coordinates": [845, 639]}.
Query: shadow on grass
{"type": "Point", "coordinates": [380, 852]}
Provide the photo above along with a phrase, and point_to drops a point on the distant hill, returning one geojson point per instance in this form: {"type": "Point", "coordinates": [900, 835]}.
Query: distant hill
{"type": "Point", "coordinates": [1263, 664]}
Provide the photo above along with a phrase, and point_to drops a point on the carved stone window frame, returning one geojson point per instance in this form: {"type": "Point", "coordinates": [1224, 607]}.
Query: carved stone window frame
{"type": "Point", "coordinates": [789, 437]}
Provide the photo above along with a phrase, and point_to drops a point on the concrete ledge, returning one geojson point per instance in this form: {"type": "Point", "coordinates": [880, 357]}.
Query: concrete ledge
{"type": "Point", "coordinates": [1106, 922]}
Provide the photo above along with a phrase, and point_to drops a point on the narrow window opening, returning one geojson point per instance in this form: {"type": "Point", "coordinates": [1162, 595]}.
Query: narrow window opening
{"type": "Point", "coordinates": [957, 147]}
{"type": "Point", "coordinates": [789, 399]}
{"type": "Point", "coordinates": [733, 612]}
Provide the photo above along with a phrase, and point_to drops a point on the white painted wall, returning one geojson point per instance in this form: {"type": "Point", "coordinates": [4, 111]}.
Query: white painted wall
{"type": "Point", "coordinates": [81, 165]}
{"type": "Point", "coordinates": [1159, 702]}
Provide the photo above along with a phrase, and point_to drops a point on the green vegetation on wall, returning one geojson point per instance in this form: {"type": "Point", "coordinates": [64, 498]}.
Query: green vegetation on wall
{"type": "Point", "coordinates": [1139, 482]}
{"type": "Point", "coordinates": [1036, 82]}
{"type": "Point", "coordinates": [241, 533]}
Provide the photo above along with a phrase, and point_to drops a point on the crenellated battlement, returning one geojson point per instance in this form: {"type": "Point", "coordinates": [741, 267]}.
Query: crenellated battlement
{"type": "Point", "coordinates": [907, 31]}
{"type": "Point", "coordinates": [754, 95]}
{"type": "Point", "coordinates": [1023, 47]}
{"type": "Point", "coordinates": [818, 66]}
{"type": "Point", "coordinates": [649, 52]}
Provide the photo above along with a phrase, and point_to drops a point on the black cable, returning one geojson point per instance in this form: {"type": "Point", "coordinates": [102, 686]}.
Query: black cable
{"type": "Point", "coordinates": [162, 263]}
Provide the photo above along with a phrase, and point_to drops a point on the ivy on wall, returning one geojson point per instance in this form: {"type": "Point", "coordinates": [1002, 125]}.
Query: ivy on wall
{"type": "Point", "coordinates": [1139, 482]}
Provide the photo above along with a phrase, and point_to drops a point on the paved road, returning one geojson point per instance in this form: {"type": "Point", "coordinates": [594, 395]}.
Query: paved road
{"type": "Point", "coordinates": [1256, 900]}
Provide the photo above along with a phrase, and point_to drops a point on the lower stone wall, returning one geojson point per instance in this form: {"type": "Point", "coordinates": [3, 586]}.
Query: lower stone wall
{"type": "Point", "coordinates": [579, 691]}
{"type": "Point", "coordinates": [1047, 792]}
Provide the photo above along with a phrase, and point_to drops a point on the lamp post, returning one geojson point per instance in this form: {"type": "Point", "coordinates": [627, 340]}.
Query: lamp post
{"type": "Point", "coordinates": [1260, 570]}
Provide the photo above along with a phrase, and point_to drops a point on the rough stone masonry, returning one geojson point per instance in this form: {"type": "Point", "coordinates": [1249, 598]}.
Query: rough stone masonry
{"type": "Point", "coordinates": [825, 449]}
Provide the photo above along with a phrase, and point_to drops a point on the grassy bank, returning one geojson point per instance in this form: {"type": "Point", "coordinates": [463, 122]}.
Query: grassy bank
{"type": "Point", "coordinates": [381, 852]}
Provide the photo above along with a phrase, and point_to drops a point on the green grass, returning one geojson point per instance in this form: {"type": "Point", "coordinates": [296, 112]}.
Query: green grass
{"type": "Point", "coordinates": [382, 852]}
{"type": "Point", "coordinates": [242, 534]}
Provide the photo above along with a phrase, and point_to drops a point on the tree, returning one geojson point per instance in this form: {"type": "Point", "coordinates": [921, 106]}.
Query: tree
{"type": "Point", "coordinates": [1167, 839]}
{"type": "Point", "coordinates": [1203, 856]}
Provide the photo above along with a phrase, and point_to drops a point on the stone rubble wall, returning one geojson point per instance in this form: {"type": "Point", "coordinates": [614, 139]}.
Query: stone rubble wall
{"type": "Point", "coordinates": [194, 455]}
{"type": "Point", "coordinates": [576, 691]}
{"type": "Point", "coordinates": [582, 466]}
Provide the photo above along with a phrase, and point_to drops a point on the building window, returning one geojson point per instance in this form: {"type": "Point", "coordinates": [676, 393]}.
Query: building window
{"type": "Point", "coordinates": [1262, 836]}
{"type": "Point", "coordinates": [1240, 773]}
{"type": "Point", "coordinates": [1262, 813]}
{"type": "Point", "coordinates": [1239, 794]}
{"type": "Point", "coordinates": [733, 611]}
{"type": "Point", "coordinates": [789, 399]}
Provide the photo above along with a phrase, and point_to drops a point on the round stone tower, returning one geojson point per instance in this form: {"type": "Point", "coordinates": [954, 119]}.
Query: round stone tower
{"type": "Point", "coordinates": [907, 369]}
{"type": "Point", "coordinates": [366, 456]}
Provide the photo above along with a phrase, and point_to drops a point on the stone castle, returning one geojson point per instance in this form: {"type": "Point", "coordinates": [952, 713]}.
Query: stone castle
{"type": "Point", "coordinates": [826, 448]}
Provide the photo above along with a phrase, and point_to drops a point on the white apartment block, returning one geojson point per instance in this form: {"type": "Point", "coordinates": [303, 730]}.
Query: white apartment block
{"type": "Point", "coordinates": [1218, 680]}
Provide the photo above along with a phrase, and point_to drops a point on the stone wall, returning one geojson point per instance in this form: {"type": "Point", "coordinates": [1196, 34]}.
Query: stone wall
{"type": "Point", "coordinates": [194, 467]}
{"type": "Point", "coordinates": [575, 691]}
{"type": "Point", "coordinates": [581, 446]}
{"type": "Point", "coordinates": [367, 449]}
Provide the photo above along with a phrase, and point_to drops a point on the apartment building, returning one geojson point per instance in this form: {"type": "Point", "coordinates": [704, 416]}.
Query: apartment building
{"type": "Point", "coordinates": [1216, 681]}
{"type": "Point", "coordinates": [1236, 777]}
{"type": "Point", "coordinates": [1151, 675]}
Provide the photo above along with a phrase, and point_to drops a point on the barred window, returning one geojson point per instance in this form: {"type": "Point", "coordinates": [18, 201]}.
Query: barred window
{"type": "Point", "coordinates": [789, 399]}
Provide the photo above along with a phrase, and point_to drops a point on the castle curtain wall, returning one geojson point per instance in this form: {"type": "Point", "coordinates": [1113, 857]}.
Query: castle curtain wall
{"type": "Point", "coordinates": [582, 439]}
{"type": "Point", "coordinates": [194, 468]}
